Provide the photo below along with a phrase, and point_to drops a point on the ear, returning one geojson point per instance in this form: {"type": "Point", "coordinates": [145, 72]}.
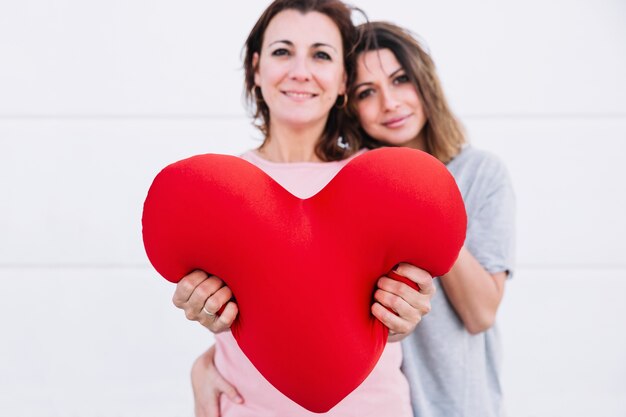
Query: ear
{"type": "Point", "coordinates": [255, 65]}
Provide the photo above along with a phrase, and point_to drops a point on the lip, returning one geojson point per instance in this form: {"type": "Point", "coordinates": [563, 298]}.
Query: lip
{"type": "Point", "coordinates": [395, 122]}
{"type": "Point", "coordinates": [298, 95]}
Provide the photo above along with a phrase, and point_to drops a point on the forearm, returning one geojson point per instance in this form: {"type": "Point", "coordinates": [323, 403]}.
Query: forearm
{"type": "Point", "coordinates": [474, 293]}
{"type": "Point", "coordinates": [204, 361]}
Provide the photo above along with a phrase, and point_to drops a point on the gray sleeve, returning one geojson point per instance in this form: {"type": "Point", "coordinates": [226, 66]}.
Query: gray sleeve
{"type": "Point", "coordinates": [491, 222]}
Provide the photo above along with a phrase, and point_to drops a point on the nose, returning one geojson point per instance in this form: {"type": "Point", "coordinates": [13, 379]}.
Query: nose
{"type": "Point", "coordinates": [389, 100]}
{"type": "Point", "coordinates": [299, 70]}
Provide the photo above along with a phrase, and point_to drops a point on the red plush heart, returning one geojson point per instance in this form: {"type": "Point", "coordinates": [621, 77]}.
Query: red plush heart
{"type": "Point", "coordinates": [304, 271]}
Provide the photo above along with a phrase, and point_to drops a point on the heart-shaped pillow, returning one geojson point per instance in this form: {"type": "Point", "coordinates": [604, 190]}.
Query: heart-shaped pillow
{"type": "Point", "coordinates": [304, 271]}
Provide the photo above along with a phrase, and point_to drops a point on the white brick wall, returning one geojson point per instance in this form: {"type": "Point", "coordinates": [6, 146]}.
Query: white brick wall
{"type": "Point", "coordinates": [96, 97]}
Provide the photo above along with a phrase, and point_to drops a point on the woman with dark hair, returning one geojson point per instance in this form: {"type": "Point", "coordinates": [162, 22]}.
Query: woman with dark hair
{"type": "Point", "coordinates": [452, 359]}
{"type": "Point", "coordinates": [299, 59]}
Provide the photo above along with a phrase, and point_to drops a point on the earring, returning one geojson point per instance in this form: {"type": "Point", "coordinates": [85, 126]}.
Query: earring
{"type": "Point", "coordinates": [344, 102]}
{"type": "Point", "coordinates": [342, 143]}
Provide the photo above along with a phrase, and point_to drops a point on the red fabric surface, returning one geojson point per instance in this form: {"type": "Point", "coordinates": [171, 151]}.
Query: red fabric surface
{"type": "Point", "coordinates": [304, 271]}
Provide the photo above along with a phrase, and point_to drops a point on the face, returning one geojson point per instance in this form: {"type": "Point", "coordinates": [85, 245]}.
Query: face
{"type": "Point", "coordinates": [300, 69]}
{"type": "Point", "coordinates": [387, 103]}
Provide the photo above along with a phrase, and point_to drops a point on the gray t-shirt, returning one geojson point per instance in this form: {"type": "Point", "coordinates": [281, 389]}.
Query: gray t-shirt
{"type": "Point", "coordinates": [451, 372]}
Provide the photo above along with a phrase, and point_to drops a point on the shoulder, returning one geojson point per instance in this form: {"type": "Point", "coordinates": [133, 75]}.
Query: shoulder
{"type": "Point", "coordinates": [474, 157]}
{"type": "Point", "coordinates": [250, 155]}
{"type": "Point", "coordinates": [475, 164]}
{"type": "Point", "coordinates": [482, 178]}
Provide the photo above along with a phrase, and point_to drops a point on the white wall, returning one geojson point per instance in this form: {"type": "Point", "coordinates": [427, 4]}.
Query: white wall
{"type": "Point", "coordinates": [96, 96]}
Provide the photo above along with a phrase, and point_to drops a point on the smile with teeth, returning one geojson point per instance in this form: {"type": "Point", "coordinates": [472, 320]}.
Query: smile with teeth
{"type": "Point", "coordinates": [299, 94]}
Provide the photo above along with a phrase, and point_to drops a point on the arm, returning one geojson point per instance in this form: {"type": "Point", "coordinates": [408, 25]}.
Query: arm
{"type": "Point", "coordinates": [474, 293]}
{"type": "Point", "coordinates": [208, 385]}
{"type": "Point", "coordinates": [206, 299]}
{"type": "Point", "coordinates": [203, 297]}
{"type": "Point", "coordinates": [408, 304]}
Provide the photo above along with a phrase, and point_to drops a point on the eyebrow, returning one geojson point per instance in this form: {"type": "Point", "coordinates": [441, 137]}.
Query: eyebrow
{"type": "Point", "coordinates": [315, 45]}
{"type": "Point", "coordinates": [395, 72]}
{"type": "Point", "coordinates": [356, 87]}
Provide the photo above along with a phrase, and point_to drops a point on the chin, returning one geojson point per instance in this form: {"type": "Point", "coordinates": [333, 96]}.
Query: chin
{"type": "Point", "coordinates": [394, 141]}
{"type": "Point", "coordinates": [297, 120]}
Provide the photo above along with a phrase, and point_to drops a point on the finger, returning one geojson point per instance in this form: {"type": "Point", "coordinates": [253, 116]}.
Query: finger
{"type": "Point", "coordinates": [201, 294]}
{"type": "Point", "coordinates": [226, 319]}
{"type": "Point", "coordinates": [427, 287]}
{"type": "Point", "coordinates": [186, 286]}
{"type": "Point", "coordinates": [410, 305]}
{"type": "Point", "coordinates": [228, 389]}
{"type": "Point", "coordinates": [397, 304]}
{"type": "Point", "coordinates": [216, 301]}
{"type": "Point", "coordinates": [414, 298]}
{"type": "Point", "coordinates": [412, 312]}
{"type": "Point", "coordinates": [422, 278]}
{"type": "Point", "coordinates": [394, 323]}
{"type": "Point", "coordinates": [398, 288]}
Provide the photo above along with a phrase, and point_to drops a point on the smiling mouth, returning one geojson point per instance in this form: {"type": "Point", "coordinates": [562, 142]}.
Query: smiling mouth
{"type": "Point", "coordinates": [300, 95]}
{"type": "Point", "coordinates": [396, 121]}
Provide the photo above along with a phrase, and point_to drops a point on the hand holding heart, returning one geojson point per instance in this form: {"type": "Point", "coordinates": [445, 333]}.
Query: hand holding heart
{"type": "Point", "coordinates": [281, 255]}
{"type": "Point", "coordinates": [398, 306]}
{"type": "Point", "coordinates": [199, 294]}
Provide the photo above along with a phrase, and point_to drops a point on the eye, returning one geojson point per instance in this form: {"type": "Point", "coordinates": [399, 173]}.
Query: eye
{"type": "Point", "coordinates": [322, 55]}
{"type": "Point", "coordinates": [280, 52]}
{"type": "Point", "coordinates": [401, 79]}
{"type": "Point", "coordinates": [365, 93]}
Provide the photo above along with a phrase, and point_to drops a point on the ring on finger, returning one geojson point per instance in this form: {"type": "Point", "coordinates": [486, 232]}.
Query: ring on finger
{"type": "Point", "coordinates": [208, 313]}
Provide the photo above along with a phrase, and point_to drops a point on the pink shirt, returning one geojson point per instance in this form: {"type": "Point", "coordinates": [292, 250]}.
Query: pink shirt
{"type": "Point", "coordinates": [385, 392]}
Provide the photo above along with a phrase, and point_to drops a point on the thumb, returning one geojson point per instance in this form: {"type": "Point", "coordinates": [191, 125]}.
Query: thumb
{"type": "Point", "coordinates": [229, 390]}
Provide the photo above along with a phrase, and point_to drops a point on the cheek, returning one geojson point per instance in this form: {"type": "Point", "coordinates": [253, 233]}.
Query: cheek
{"type": "Point", "coordinates": [332, 78]}
{"type": "Point", "coordinates": [368, 113]}
{"type": "Point", "coordinates": [411, 97]}
{"type": "Point", "coordinates": [270, 73]}
{"type": "Point", "coordinates": [261, 76]}
{"type": "Point", "coordinates": [274, 74]}
{"type": "Point", "coordinates": [419, 111]}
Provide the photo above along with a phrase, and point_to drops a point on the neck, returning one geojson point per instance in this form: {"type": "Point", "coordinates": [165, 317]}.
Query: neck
{"type": "Point", "coordinates": [291, 144]}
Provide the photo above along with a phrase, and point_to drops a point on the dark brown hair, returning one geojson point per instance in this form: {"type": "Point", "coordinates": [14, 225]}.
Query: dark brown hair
{"type": "Point", "coordinates": [338, 123]}
{"type": "Point", "coordinates": [443, 133]}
